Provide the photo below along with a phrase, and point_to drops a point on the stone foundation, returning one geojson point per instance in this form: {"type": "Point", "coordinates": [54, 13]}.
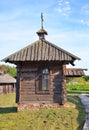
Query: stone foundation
{"type": "Point", "coordinates": [22, 107]}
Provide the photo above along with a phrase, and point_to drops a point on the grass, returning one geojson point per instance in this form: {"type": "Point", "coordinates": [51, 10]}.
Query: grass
{"type": "Point", "coordinates": [7, 100]}
{"type": "Point", "coordinates": [78, 87]}
{"type": "Point", "coordinates": [67, 118]}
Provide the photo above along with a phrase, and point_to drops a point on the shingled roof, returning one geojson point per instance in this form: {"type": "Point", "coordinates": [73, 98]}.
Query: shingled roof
{"type": "Point", "coordinates": [41, 50]}
{"type": "Point", "coordinates": [74, 72]}
{"type": "Point", "coordinates": [6, 78]}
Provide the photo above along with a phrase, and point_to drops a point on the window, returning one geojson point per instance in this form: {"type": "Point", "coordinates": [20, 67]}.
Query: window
{"type": "Point", "coordinates": [43, 80]}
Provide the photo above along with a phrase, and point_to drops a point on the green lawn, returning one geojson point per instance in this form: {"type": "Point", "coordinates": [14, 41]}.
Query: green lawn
{"type": "Point", "coordinates": [81, 87]}
{"type": "Point", "coordinates": [70, 118]}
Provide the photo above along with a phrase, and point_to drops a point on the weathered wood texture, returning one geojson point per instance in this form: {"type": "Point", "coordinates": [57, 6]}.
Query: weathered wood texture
{"type": "Point", "coordinates": [7, 88]}
{"type": "Point", "coordinates": [27, 87]}
{"type": "Point", "coordinates": [41, 50]}
{"type": "Point", "coordinates": [74, 72]}
{"type": "Point", "coordinates": [7, 83]}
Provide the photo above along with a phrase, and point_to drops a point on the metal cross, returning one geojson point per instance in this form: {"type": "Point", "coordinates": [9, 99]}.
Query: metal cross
{"type": "Point", "coordinates": [42, 20]}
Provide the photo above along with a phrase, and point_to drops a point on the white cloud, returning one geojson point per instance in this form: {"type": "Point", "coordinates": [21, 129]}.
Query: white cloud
{"type": "Point", "coordinates": [64, 7]}
{"type": "Point", "coordinates": [67, 2]}
{"type": "Point", "coordinates": [85, 21]}
{"type": "Point", "coordinates": [80, 14]}
{"type": "Point", "coordinates": [85, 14]}
{"type": "Point", "coordinates": [85, 9]}
{"type": "Point", "coordinates": [75, 38]}
{"type": "Point", "coordinates": [75, 43]}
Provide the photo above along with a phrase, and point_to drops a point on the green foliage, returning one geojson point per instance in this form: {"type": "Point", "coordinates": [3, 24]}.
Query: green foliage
{"type": "Point", "coordinates": [86, 77]}
{"type": "Point", "coordinates": [9, 69]}
{"type": "Point", "coordinates": [78, 84]}
{"type": "Point", "coordinates": [12, 71]}
{"type": "Point", "coordinates": [69, 118]}
{"type": "Point", "coordinates": [78, 87]}
{"type": "Point", "coordinates": [78, 79]}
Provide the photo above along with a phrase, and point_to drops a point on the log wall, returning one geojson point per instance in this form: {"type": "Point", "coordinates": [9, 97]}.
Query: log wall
{"type": "Point", "coordinates": [7, 88]}
{"type": "Point", "coordinates": [27, 85]}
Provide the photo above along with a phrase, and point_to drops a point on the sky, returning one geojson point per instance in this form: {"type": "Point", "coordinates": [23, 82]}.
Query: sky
{"type": "Point", "coordinates": [66, 21]}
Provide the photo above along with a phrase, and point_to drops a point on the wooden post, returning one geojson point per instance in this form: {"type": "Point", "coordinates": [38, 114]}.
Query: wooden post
{"type": "Point", "coordinates": [18, 84]}
{"type": "Point", "coordinates": [63, 94]}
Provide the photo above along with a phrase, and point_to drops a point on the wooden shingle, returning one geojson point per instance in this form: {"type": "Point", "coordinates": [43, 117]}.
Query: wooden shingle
{"type": "Point", "coordinates": [41, 50]}
{"type": "Point", "coordinates": [74, 72]}
{"type": "Point", "coordinates": [6, 78]}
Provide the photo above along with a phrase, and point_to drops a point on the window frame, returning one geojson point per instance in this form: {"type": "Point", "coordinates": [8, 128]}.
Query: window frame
{"type": "Point", "coordinates": [40, 74]}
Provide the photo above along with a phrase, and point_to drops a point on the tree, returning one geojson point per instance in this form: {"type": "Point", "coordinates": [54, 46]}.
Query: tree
{"type": "Point", "coordinates": [12, 71]}
{"type": "Point", "coordinates": [86, 77]}
{"type": "Point", "coordinates": [3, 68]}
{"type": "Point", "coordinates": [9, 69]}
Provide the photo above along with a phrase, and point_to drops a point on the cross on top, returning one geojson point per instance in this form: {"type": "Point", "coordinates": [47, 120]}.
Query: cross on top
{"type": "Point", "coordinates": [42, 20]}
{"type": "Point", "coordinates": [41, 33]}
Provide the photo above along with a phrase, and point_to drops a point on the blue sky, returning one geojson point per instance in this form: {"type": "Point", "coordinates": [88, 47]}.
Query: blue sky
{"type": "Point", "coordinates": [66, 21]}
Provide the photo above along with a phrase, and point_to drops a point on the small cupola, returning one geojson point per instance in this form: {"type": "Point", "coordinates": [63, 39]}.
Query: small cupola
{"type": "Point", "coordinates": [41, 33]}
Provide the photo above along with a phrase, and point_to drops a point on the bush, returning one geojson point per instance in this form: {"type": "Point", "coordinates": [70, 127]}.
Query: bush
{"type": "Point", "coordinates": [78, 87]}
{"type": "Point", "coordinates": [86, 77]}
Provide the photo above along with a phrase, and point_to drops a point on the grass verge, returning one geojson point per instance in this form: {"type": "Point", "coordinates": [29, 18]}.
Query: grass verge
{"type": "Point", "coordinates": [67, 118]}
